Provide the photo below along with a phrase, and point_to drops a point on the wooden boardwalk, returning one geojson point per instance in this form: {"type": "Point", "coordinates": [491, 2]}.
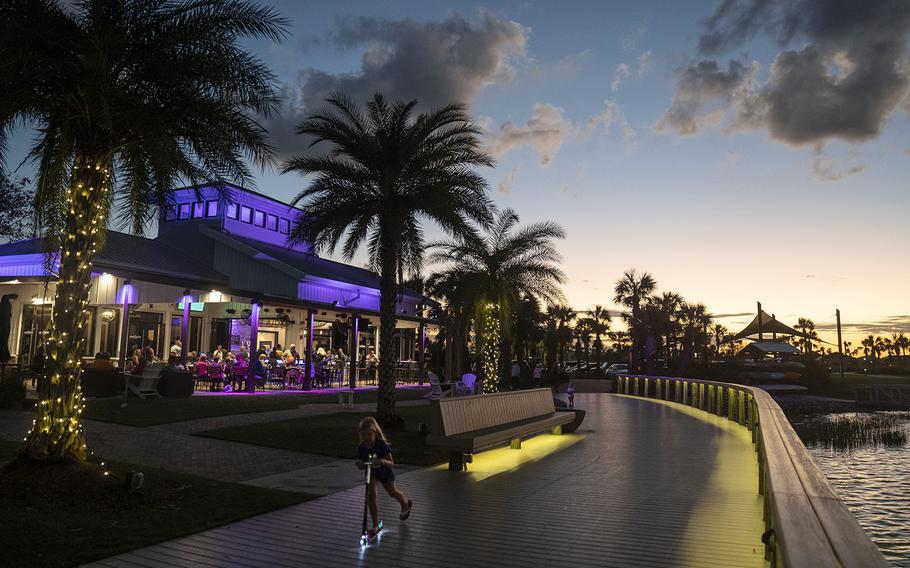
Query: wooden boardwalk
{"type": "Point", "coordinates": [644, 483]}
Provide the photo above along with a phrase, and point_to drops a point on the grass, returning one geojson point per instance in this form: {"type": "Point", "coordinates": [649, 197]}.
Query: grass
{"type": "Point", "coordinates": [336, 435]}
{"type": "Point", "coordinates": [848, 431]}
{"type": "Point", "coordinates": [68, 514]}
{"type": "Point", "coordinates": [843, 387]}
{"type": "Point", "coordinates": [153, 412]}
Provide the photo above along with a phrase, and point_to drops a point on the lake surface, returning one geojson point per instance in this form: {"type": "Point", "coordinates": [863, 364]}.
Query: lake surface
{"type": "Point", "coordinates": [874, 482]}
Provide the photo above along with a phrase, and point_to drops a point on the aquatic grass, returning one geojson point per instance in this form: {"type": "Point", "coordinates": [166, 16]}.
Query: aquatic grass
{"type": "Point", "coordinates": [854, 430]}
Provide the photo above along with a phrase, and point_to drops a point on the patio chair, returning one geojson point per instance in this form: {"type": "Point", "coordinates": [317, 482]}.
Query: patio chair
{"type": "Point", "coordinates": [276, 377]}
{"type": "Point", "coordinates": [216, 376]}
{"type": "Point", "coordinates": [436, 391]}
{"type": "Point", "coordinates": [293, 377]}
{"type": "Point", "coordinates": [465, 387]}
{"type": "Point", "coordinates": [145, 384]}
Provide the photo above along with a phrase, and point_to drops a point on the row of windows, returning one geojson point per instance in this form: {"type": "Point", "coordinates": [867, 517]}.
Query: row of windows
{"type": "Point", "coordinates": [244, 214]}
{"type": "Point", "coordinates": [259, 218]}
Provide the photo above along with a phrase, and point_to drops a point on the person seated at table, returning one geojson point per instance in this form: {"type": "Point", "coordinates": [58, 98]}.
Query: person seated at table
{"type": "Point", "coordinates": [239, 372]}
{"type": "Point", "coordinates": [289, 358]}
{"type": "Point", "coordinates": [191, 357]}
{"type": "Point", "coordinates": [102, 361]}
{"type": "Point", "coordinates": [173, 365]}
{"type": "Point", "coordinates": [276, 354]}
{"type": "Point", "coordinates": [202, 366]}
{"type": "Point", "coordinates": [260, 368]}
{"type": "Point", "coordinates": [292, 349]}
{"type": "Point", "coordinates": [136, 357]}
{"type": "Point", "coordinates": [218, 353]}
{"type": "Point", "coordinates": [229, 357]}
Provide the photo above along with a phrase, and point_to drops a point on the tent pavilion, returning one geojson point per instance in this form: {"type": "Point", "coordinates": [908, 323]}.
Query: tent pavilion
{"type": "Point", "coordinates": [763, 324]}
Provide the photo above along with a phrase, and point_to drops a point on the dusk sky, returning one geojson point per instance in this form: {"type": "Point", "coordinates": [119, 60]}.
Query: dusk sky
{"type": "Point", "coordinates": [736, 151]}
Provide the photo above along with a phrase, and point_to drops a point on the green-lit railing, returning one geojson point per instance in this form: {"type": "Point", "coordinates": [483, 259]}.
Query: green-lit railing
{"type": "Point", "coordinates": [806, 522]}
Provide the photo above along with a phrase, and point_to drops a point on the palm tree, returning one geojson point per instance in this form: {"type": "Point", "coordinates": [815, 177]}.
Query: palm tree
{"type": "Point", "coordinates": [131, 97]}
{"type": "Point", "coordinates": [868, 344]}
{"type": "Point", "coordinates": [719, 332]}
{"type": "Point", "coordinates": [562, 315]}
{"type": "Point", "coordinates": [388, 172]}
{"type": "Point", "coordinates": [630, 291]}
{"type": "Point", "coordinates": [496, 270]}
{"type": "Point", "coordinates": [600, 324]}
{"type": "Point", "coordinates": [807, 327]}
{"type": "Point", "coordinates": [667, 305]}
{"type": "Point", "coordinates": [695, 319]}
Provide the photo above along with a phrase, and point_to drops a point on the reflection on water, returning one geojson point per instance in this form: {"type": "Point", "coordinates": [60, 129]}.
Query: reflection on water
{"type": "Point", "coordinates": [874, 482]}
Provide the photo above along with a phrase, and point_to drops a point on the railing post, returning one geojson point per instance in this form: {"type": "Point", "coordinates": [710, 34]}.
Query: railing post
{"type": "Point", "coordinates": [742, 409]}
{"type": "Point", "coordinates": [636, 386]}
{"type": "Point", "coordinates": [731, 402]}
{"type": "Point", "coordinates": [647, 382]}
{"type": "Point", "coordinates": [657, 389]}
{"type": "Point", "coordinates": [711, 398]}
{"type": "Point", "coordinates": [685, 386]}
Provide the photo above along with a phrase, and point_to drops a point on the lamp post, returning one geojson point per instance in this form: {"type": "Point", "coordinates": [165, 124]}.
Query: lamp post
{"type": "Point", "coordinates": [126, 298]}
{"type": "Point", "coordinates": [355, 347]}
{"type": "Point", "coordinates": [310, 328]}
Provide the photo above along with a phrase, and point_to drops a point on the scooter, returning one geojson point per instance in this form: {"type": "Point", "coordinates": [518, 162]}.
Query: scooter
{"type": "Point", "coordinates": [365, 537]}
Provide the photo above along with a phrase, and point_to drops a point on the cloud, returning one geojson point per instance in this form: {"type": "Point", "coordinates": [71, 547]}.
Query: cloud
{"type": "Point", "coordinates": [705, 95]}
{"type": "Point", "coordinates": [733, 315]}
{"type": "Point", "coordinates": [545, 132]}
{"type": "Point", "coordinates": [621, 73]}
{"type": "Point", "coordinates": [827, 169]}
{"type": "Point", "coordinates": [508, 183]}
{"type": "Point", "coordinates": [574, 62]}
{"type": "Point", "coordinates": [630, 41]}
{"type": "Point", "coordinates": [549, 129]}
{"type": "Point", "coordinates": [609, 115]}
{"type": "Point", "coordinates": [844, 78]}
{"type": "Point", "coordinates": [644, 63]}
{"type": "Point", "coordinates": [886, 325]}
{"type": "Point", "coordinates": [435, 62]}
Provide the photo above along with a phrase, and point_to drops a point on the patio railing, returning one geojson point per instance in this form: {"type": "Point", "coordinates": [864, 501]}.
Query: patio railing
{"type": "Point", "coordinates": [807, 523]}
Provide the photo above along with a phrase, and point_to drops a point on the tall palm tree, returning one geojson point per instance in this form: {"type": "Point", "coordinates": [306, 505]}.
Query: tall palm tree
{"type": "Point", "coordinates": [667, 304]}
{"type": "Point", "coordinates": [125, 97]}
{"type": "Point", "coordinates": [719, 332]}
{"type": "Point", "coordinates": [695, 319]}
{"type": "Point", "coordinates": [497, 268]}
{"type": "Point", "coordinates": [630, 291]}
{"type": "Point", "coordinates": [600, 325]}
{"type": "Point", "coordinates": [868, 344]}
{"type": "Point", "coordinates": [388, 171]}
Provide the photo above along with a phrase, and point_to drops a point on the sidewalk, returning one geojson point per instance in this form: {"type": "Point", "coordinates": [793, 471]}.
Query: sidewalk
{"type": "Point", "coordinates": [173, 447]}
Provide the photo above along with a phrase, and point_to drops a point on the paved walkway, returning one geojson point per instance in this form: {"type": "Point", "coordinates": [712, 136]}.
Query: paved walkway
{"type": "Point", "coordinates": [173, 447]}
{"type": "Point", "coordinates": [644, 483]}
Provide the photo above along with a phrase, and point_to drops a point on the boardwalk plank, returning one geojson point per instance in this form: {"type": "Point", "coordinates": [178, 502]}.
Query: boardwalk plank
{"type": "Point", "coordinates": [649, 484]}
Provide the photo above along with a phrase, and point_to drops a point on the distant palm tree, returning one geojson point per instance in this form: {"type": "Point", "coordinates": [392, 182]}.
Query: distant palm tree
{"type": "Point", "coordinates": [903, 343]}
{"type": "Point", "coordinates": [600, 324]}
{"type": "Point", "coordinates": [807, 327]}
{"type": "Point", "coordinates": [131, 98]}
{"type": "Point", "coordinates": [388, 171]}
{"type": "Point", "coordinates": [496, 269]}
{"type": "Point", "coordinates": [695, 320]}
{"type": "Point", "coordinates": [719, 332]}
{"type": "Point", "coordinates": [630, 291]}
{"type": "Point", "coordinates": [868, 344]}
{"type": "Point", "coordinates": [668, 305]}
{"type": "Point", "coordinates": [562, 315]}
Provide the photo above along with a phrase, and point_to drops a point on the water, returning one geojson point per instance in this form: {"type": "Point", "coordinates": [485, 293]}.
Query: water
{"type": "Point", "coordinates": [874, 483]}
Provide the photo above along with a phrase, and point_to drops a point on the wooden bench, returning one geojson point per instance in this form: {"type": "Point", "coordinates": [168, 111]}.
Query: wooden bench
{"type": "Point", "coordinates": [464, 425]}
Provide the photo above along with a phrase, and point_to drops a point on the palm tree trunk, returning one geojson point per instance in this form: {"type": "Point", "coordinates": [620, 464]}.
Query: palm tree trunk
{"type": "Point", "coordinates": [388, 290]}
{"type": "Point", "coordinates": [57, 432]}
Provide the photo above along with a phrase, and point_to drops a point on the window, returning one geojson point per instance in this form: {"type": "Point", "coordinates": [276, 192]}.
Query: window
{"type": "Point", "coordinates": [184, 211]}
{"type": "Point", "coordinates": [285, 227]}
{"type": "Point", "coordinates": [198, 210]}
{"type": "Point", "coordinates": [273, 222]}
{"type": "Point", "coordinates": [246, 214]}
{"type": "Point", "coordinates": [259, 218]}
{"type": "Point", "coordinates": [232, 210]}
{"type": "Point", "coordinates": [108, 326]}
{"type": "Point", "coordinates": [211, 208]}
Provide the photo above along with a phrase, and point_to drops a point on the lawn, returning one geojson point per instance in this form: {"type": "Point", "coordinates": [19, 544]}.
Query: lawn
{"type": "Point", "coordinates": [843, 387]}
{"type": "Point", "coordinates": [66, 515]}
{"type": "Point", "coordinates": [155, 411]}
{"type": "Point", "coordinates": [336, 435]}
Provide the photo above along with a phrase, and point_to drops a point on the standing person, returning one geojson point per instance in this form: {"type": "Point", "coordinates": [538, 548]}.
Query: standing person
{"type": "Point", "coordinates": [177, 348]}
{"type": "Point", "coordinates": [373, 443]}
{"type": "Point", "coordinates": [292, 349]}
{"type": "Point", "coordinates": [515, 376]}
{"type": "Point", "coordinates": [538, 374]}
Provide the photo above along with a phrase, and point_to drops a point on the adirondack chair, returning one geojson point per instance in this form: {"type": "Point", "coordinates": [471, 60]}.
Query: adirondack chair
{"type": "Point", "coordinates": [436, 391]}
{"type": "Point", "coordinates": [465, 386]}
{"type": "Point", "coordinates": [146, 383]}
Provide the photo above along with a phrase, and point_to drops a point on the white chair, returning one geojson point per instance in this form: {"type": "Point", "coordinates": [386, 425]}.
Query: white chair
{"type": "Point", "coordinates": [146, 383]}
{"type": "Point", "coordinates": [436, 391]}
{"type": "Point", "coordinates": [465, 387]}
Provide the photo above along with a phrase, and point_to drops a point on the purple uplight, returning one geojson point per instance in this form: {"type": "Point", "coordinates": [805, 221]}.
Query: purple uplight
{"type": "Point", "coordinates": [127, 294]}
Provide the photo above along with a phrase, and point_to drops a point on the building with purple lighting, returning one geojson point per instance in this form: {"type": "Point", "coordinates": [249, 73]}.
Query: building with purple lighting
{"type": "Point", "coordinates": [220, 267]}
